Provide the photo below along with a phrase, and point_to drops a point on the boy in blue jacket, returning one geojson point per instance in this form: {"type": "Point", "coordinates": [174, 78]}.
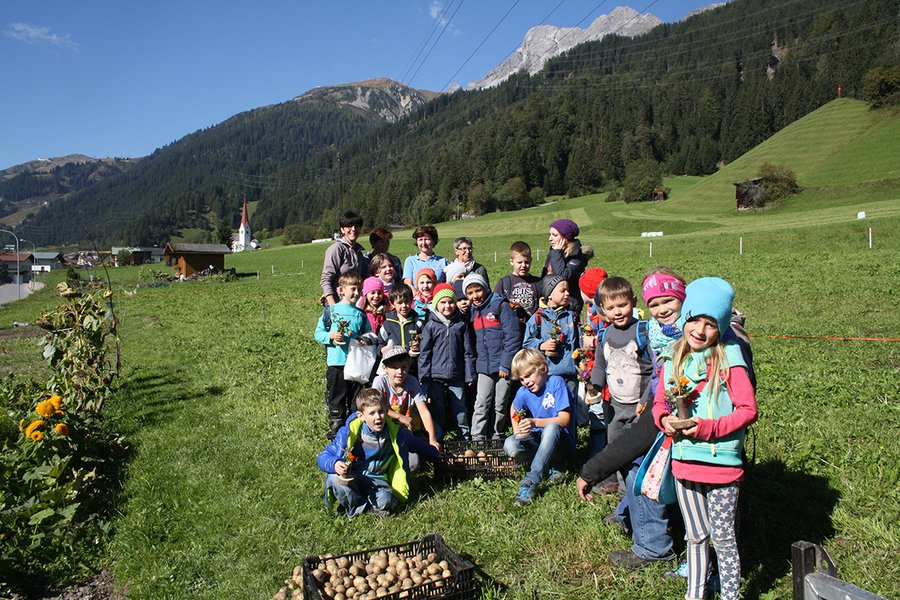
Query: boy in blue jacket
{"type": "Point", "coordinates": [497, 339]}
{"type": "Point", "coordinates": [347, 322]}
{"type": "Point", "coordinates": [552, 329]}
{"type": "Point", "coordinates": [446, 361]}
{"type": "Point", "coordinates": [366, 463]}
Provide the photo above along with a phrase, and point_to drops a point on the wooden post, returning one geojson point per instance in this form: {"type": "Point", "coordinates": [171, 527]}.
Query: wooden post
{"type": "Point", "coordinates": [803, 562]}
{"type": "Point", "coordinates": [495, 256]}
{"type": "Point", "coordinates": [870, 238]}
{"type": "Point", "coordinates": [273, 269]}
{"type": "Point", "coordinates": [651, 249]}
{"type": "Point", "coordinates": [741, 246]}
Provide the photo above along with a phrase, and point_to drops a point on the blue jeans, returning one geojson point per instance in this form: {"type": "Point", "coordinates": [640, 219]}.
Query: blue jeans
{"type": "Point", "coordinates": [357, 495]}
{"type": "Point", "coordinates": [443, 392]}
{"type": "Point", "coordinates": [543, 450]}
{"type": "Point", "coordinates": [649, 522]}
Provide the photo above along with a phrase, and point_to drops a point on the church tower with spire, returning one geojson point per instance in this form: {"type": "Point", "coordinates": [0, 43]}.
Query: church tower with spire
{"type": "Point", "coordinates": [241, 241]}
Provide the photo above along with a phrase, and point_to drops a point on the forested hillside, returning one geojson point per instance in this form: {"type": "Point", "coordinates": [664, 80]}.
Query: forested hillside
{"type": "Point", "coordinates": [685, 96]}
{"type": "Point", "coordinates": [199, 178]}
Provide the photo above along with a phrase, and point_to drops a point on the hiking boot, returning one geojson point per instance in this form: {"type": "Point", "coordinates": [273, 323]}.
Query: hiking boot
{"type": "Point", "coordinates": [526, 495]}
{"type": "Point", "coordinates": [626, 559]}
{"type": "Point", "coordinates": [555, 476]}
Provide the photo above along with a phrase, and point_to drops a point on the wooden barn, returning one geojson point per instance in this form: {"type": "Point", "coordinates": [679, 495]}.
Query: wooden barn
{"type": "Point", "coordinates": [187, 259]}
{"type": "Point", "coordinates": [749, 193]}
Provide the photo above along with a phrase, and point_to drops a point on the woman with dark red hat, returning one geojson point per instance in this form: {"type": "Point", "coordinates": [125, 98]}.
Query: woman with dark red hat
{"type": "Point", "coordinates": [567, 258]}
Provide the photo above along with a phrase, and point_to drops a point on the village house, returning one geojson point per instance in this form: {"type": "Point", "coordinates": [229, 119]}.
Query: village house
{"type": "Point", "coordinates": [18, 266]}
{"type": "Point", "coordinates": [187, 259]}
{"type": "Point", "coordinates": [47, 261]}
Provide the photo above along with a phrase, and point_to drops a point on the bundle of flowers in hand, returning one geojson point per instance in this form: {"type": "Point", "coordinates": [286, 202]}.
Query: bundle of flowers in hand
{"type": "Point", "coordinates": [678, 401]}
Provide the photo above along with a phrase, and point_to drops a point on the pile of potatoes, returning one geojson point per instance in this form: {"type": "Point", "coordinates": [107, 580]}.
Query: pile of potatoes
{"type": "Point", "coordinates": [340, 578]}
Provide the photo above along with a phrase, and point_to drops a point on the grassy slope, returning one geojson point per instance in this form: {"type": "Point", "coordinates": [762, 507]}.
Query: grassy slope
{"type": "Point", "coordinates": [223, 397]}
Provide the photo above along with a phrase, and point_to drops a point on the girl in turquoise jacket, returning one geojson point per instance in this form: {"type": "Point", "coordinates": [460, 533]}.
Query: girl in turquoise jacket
{"type": "Point", "coordinates": [706, 365]}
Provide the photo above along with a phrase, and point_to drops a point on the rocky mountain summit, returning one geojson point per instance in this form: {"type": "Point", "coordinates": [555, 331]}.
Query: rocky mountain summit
{"type": "Point", "coordinates": [543, 42]}
{"type": "Point", "coordinates": [382, 97]}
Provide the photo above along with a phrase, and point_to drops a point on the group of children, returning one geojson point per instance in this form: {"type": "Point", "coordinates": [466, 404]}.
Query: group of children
{"type": "Point", "coordinates": [523, 348]}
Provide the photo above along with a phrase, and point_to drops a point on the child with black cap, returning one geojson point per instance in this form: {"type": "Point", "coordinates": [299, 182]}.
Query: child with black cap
{"type": "Point", "coordinates": [553, 330]}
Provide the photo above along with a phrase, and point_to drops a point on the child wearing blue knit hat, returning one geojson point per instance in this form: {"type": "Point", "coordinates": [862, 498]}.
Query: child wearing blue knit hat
{"type": "Point", "coordinates": [707, 369]}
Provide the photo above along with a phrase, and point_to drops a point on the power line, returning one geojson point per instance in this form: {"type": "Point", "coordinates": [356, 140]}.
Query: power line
{"type": "Point", "coordinates": [490, 33]}
{"type": "Point", "coordinates": [433, 46]}
{"type": "Point", "coordinates": [427, 38]}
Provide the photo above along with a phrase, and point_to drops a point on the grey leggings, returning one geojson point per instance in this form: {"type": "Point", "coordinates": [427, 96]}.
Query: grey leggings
{"type": "Point", "coordinates": [709, 513]}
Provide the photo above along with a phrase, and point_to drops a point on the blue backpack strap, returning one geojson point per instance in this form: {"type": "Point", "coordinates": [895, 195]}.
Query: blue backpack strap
{"type": "Point", "coordinates": [643, 339]}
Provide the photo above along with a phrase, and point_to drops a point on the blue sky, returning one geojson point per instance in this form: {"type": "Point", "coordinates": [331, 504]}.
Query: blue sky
{"type": "Point", "coordinates": [122, 78]}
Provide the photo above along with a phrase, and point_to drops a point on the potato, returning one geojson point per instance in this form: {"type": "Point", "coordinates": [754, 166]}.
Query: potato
{"type": "Point", "coordinates": [340, 596]}
{"type": "Point", "coordinates": [431, 557]}
{"type": "Point", "coordinates": [446, 573]}
{"type": "Point", "coordinates": [444, 564]}
{"type": "Point", "coordinates": [377, 569]}
{"type": "Point", "coordinates": [343, 562]}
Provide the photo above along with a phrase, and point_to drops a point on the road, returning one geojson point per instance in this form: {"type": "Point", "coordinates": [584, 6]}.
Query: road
{"type": "Point", "coordinates": [8, 291]}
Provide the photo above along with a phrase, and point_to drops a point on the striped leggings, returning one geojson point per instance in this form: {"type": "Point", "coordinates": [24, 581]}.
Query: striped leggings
{"type": "Point", "coordinates": [709, 514]}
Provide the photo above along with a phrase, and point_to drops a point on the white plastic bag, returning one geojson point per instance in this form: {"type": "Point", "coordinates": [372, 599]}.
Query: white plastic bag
{"type": "Point", "coordinates": [360, 362]}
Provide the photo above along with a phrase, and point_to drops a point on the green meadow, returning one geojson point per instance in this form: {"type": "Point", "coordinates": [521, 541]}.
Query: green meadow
{"type": "Point", "coordinates": [221, 397]}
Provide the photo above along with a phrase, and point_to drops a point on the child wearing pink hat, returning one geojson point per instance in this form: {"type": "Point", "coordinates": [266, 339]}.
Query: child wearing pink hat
{"type": "Point", "coordinates": [663, 292]}
{"type": "Point", "coordinates": [374, 302]}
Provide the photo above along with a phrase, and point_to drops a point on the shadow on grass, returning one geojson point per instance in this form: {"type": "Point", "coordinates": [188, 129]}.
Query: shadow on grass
{"type": "Point", "coordinates": [780, 506]}
{"type": "Point", "coordinates": [151, 397]}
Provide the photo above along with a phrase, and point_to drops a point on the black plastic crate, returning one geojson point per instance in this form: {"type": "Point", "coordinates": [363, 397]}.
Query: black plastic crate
{"type": "Point", "coordinates": [461, 585]}
{"type": "Point", "coordinates": [495, 464]}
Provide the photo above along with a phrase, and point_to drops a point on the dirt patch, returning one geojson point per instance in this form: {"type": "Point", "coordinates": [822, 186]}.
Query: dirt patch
{"type": "Point", "coordinates": [102, 586]}
{"type": "Point", "coordinates": [25, 331]}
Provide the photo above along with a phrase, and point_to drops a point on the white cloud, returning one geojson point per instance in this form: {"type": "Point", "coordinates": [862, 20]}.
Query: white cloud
{"type": "Point", "coordinates": [435, 10]}
{"type": "Point", "coordinates": [36, 34]}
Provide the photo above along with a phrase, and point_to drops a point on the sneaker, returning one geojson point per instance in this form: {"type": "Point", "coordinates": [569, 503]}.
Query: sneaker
{"type": "Point", "coordinates": [526, 495]}
{"type": "Point", "coordinates": [606, 487]}
{"type": "Point", "coordinates": [380, 512]}
{"type": "Point", "coordinates": [626, 559]}
{"type": "Point", "coordinates": [680, 572]}
{"type": "Point", "coordinates": [612, 519]}
{"type": "Point", "coordinates": [555, 476]}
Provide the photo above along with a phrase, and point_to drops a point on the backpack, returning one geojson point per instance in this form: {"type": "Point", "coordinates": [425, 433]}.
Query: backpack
{"type": "Point", "coordinates": [643, 347]}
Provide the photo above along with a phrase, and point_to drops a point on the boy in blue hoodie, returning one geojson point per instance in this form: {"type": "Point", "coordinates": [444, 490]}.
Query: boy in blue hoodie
{"type": "Point", "coordinates": [347, 322]}
{"type": "Point", "coordinates": [446, 361]}
{"type": "Point", "coordinates": [366, 463]}
{"type": "Point", "coordinates": [552, 330]}
{"type": "Point", "coordinates": [497, 339]}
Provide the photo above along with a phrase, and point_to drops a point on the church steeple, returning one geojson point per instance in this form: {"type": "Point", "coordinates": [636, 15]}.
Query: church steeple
{"type": "Point", "coordinates": [243, 237]}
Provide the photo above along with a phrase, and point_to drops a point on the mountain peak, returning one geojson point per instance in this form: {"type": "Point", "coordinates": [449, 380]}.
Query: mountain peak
{"type": "Point", "coordinates": [381, 97]}
{"type": "Point", "coordinates": [543, 42]}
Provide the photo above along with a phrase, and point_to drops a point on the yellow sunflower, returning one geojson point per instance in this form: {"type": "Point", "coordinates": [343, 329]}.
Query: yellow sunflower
{"type": "Point", "coordinates": [45, 408]}
{"type": "Point", "coordinates": [62, 429]}
{"type": "Point", "coordinates": [37, 436]}
{"type": "Point", "coordinates": [34, 425]}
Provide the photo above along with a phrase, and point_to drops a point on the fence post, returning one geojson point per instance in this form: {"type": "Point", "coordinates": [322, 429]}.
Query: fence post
{"type": "Point", "coordinates": [257, 275]}
{"type": "Point", "coordinates": [651, 249]}
{"type": "Point", "coordinates": [495, 256]}
{"type": "Point", "coordinates": [273, 269]}
{"type": "Point", "coordinates": [803, 562]}
{"type": "Point", "coordinates": [870, 238]}
{"type": "Point", "coordinates": [742, 246]}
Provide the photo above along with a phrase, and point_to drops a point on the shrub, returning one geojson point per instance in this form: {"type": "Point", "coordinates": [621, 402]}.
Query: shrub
{"type": "Point", "coordinates": [881, 86]}
{"type": "Point", "coordinates": [777, 181]}
{"type": "Point", "coordinates": [641, 178]}
{"type": "Point", "coordinates": [296, 233]}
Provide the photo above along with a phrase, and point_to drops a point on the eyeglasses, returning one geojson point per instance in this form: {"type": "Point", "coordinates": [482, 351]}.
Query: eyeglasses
{"type": "Point", "coordinates": [465, 248]}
